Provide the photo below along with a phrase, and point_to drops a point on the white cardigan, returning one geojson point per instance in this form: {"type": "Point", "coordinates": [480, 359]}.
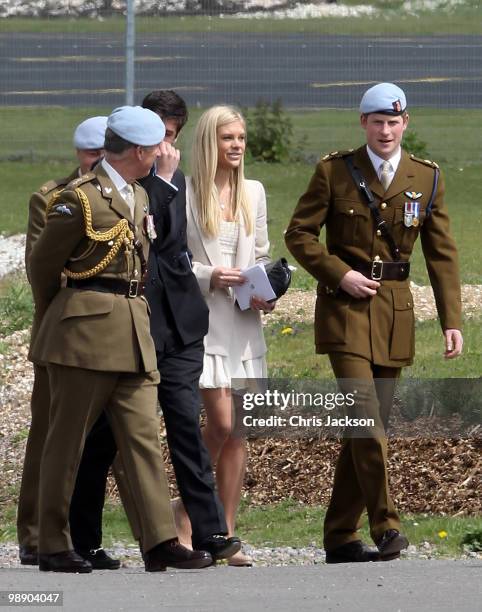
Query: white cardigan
{"type": "Point", "coordinates": [224, 316]}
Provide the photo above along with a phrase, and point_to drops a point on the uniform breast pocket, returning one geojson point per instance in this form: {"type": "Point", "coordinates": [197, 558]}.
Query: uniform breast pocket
{"type": "Point", "coordinates": [351, 222]}
{"type": "Point", "coordinates": [406, 228]}
{"type": "Point", "coordinates": [87, 304]}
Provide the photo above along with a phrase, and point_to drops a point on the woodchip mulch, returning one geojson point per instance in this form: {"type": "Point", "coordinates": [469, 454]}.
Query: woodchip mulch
{"type": "Point", "coordinates": [427, 475]}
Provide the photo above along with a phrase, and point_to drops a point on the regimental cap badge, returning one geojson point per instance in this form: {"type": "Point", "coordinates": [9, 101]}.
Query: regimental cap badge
{"type": "Point", "coordinates": [397, 106]}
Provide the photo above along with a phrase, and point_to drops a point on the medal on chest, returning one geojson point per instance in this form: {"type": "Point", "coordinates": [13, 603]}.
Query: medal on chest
{"type": "Point", "coordinates": [411, 215]}
{"type": "Point", "coordinates": [150, 228]}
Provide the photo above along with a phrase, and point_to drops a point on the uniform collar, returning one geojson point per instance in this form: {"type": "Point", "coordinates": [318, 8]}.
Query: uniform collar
{"type": "Point", "coordinates": [377, 161]}
{"type": "Point", "coordinates": [115, 177]}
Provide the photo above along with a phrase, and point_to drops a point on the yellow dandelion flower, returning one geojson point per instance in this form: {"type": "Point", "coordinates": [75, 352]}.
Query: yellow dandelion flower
{"type": "Point", "coordinates": [442, 534]}
{"type": "Point", "coordinates": [287, 330]}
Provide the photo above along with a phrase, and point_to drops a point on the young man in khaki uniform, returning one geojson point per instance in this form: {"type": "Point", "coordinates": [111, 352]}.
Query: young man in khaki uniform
{"type": "Point", "coordinates": [94, 338]}
{"type": "Point", "coordinates": [364, 316]}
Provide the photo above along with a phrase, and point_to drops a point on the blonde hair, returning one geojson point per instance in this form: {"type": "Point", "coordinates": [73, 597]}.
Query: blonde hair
{"type": "Point", "coordinates": [204, 162]}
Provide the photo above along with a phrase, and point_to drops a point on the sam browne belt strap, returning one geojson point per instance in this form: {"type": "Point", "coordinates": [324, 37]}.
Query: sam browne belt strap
{"type": "Point", "coordinates": [380, 223]}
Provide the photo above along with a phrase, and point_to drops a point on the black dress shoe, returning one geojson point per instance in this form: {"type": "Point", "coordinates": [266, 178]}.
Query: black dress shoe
{"type": "Point", "coordinates": [173, 554]}
{"type": "Point", "coordinates": [352, 552]}
{"type": "Point", "coordinates": [99, 559]}
{"type": "Point", "coordinates": [28, 555]}
{"type": "Point", "coordinates": [390, 544]}
{"type": "Point", "coordinates": [221, 547]}
{"type": "Point", "coordinates": [66, 561]}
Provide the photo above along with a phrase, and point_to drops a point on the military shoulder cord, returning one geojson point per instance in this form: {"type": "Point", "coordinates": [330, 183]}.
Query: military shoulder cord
{"type": "Point", "coordinates": [120, 233]}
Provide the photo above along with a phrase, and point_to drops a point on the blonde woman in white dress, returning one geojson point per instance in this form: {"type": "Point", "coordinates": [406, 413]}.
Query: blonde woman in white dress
{"type": "Point", "coordinates": [227, 232]}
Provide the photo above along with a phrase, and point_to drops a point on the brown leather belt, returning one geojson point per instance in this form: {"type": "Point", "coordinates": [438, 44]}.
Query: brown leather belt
{"type": "Point", "coordinates": [382, 270]}
{"type": "Point", "coordinates": [130, 289]}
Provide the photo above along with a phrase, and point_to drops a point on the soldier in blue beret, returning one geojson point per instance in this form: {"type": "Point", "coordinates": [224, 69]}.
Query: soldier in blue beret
{"type": "Point", "coordinates": [375, 202]}
{"type": "Point", "coordinates": [86, 520]}
{"type": "Point", "coordinates": [93, 335]}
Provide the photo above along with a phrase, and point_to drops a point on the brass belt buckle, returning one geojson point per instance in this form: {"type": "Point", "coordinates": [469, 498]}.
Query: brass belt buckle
{"type": "Point", "coordinates": [133, 288]}
{"type": "Point", "coordinates": [377, 272]}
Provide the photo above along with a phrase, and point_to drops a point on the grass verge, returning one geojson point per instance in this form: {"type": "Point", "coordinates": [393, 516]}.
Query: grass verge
{"type": "Point", "coordinates": [296, 525]}
{"type": "Point", "coordinates": [293, 355]}
{"type": "Point", "coordinates": [452, 137]}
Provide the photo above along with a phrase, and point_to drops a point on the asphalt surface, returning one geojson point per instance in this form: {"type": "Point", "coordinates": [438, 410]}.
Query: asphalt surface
{"type": "Point", "coordinates": [304, 70]}
{"type": "Point", "coordinates": [406, 586]}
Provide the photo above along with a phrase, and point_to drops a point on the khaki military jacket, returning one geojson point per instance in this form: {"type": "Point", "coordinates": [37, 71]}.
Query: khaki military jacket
{"type": "Point", "coordinates": [380, 328]}
{"type": "Point", "coordinates": [84, 328]}
{"type": "Point", "coordinates": [36, 211]}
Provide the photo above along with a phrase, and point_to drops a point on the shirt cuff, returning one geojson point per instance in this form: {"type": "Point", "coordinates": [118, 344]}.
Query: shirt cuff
{"type": "Point", "coordinates": [170, 184]}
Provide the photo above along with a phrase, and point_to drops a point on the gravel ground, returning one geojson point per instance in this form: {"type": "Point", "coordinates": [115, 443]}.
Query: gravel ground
{"type": "Point", "coordinates": [12, 252]}
{"type": "Point", "coordinates": [252, 9]}
{"type": "Point", "coordinates": [299, 306]}
{"type": "Point", "coordinates": [263, 556]}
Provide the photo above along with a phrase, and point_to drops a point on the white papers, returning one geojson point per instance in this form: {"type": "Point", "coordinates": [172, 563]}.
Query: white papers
{"type": "Point", "coordinates": [257, 284]}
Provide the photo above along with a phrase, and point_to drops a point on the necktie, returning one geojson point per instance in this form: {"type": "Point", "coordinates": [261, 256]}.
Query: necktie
{"type": "Point", "coordinates": [129, 198]}
{"type": "Point", "coordinates": [385, 178]}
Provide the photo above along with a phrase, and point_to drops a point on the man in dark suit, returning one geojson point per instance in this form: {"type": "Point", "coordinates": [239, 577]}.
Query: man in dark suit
{"type": "Point", "coordinates": [179, 322]}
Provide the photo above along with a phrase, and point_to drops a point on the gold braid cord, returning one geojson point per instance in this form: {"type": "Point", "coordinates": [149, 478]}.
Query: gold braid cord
{"type": "Point", "coordinates": [120, 234]}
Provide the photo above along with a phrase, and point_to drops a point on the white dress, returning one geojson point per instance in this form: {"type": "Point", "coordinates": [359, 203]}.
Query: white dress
{"type": "Point", "coordinates": [218, 370]}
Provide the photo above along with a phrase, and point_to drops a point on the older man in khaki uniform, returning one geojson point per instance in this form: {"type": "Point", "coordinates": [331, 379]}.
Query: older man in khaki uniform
{"type": "Point", "coordinates": [374, 202]}
{"type": "Point", "coordinates": [88, 141]}
{"type": "Point", "coordinates": [94, 337]}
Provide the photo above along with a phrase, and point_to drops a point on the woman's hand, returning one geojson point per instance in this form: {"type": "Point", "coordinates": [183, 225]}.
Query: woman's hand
{"type": "Point", "coordinates": [257, 303]}
{"type": "Point", "coordinates": [222, 278]}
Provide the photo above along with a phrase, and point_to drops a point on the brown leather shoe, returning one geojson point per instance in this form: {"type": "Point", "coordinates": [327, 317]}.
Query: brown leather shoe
{"type": "Point", "coordinates": [352, 552]}
{"type": "Point", "coordinates": [173, 554]}
{"type": "Point", "coordinates": [66, 561]}
{"type": "Point", "coordinates": [390, 544]}
{"type": "Point", "coordinates": [28, 555]}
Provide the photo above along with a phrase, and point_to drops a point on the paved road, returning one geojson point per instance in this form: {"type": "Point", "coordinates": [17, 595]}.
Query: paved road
{"type": "Point", "coordinates": [407, 586]}
{"type": "Point", "coordinates": [304, 70]}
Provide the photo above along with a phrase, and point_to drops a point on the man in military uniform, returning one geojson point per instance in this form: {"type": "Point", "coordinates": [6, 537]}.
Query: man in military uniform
{"type": "Point", "coordinates": [94, 338]}
{"type": "Point", "coordinates": [374, 202]}
{"type": "Point", "coordinates": [88, 499]}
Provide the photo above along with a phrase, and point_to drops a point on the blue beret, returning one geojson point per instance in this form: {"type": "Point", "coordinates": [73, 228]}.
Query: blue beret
{"type": "Point", "coordinates": [137, 125]}
{"type": "Point", "coordinates": [90, 134]}
{"type": "Point", "coordinates": [384, 98]}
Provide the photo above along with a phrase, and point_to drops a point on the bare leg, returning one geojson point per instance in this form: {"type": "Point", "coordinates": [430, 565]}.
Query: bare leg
{"type": "Point", "coordinates": [228, 454]}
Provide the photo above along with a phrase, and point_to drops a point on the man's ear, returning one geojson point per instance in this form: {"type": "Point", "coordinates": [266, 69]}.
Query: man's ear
{"type": "Point", "coordinates": [363, 120]}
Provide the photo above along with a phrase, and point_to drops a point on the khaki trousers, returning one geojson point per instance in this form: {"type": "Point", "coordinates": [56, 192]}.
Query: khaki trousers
{"type": "Point", "coordinates": [78, 396]}
{"type": "Point", "coordinates": [27, 513]}
{"type": "Point", "coordinates": [361, 479]}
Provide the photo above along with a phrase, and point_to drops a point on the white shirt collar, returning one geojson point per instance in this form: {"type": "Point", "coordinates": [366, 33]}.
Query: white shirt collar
{"type": "Point", "coordinates": [377, 161]}
{"type": "Point", "coordinates": [114, 176]}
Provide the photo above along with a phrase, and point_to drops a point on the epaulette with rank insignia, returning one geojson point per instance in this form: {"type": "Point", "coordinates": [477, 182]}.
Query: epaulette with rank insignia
{"type": "Point", "coordinates": [85, 178]}
{"type": "Point", "coordinates": [337, 155]}
{"type": "Point", "coordinates": [51, 185]}
{"type": "Point", "coordinates": [426, 162]}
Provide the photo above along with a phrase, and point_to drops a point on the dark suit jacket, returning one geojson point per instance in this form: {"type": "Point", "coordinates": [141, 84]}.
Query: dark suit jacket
{"type": "Point", "coordinates": [172, 289]}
